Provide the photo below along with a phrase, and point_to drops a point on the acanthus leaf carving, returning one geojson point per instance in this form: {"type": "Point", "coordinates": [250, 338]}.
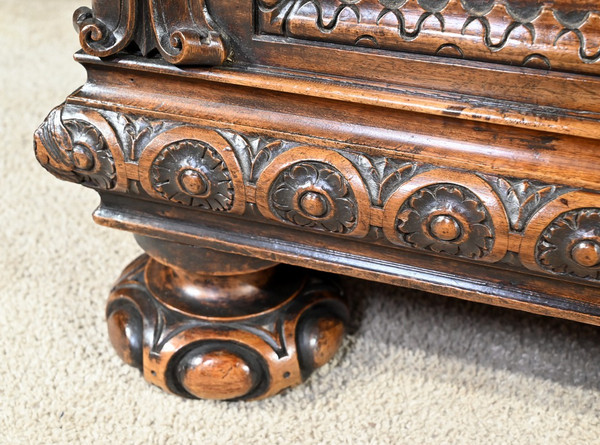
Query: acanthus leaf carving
{"type": "Point", "coordinates": [137, 132]}
{"type": "Point", "coordinates": [393, 173]}
{"type": "Point", "coordinates": [522, 198]}
{"type": "Point", "coordinates": [254, 152]}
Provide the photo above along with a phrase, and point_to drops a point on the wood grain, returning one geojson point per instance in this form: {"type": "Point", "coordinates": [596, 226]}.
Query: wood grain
{"type": "Point", "coordinates": [339, 136]}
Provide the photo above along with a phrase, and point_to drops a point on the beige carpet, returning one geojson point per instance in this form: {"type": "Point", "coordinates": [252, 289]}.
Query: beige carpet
{"type": "Point", "coordinates": [418, 369]}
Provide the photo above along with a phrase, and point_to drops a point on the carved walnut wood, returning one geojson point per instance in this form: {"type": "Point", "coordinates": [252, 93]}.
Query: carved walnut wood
{"type": "Point", "coordinates": [339, 192]}
{"type": "Point", "coordinates": [180, 30]}
{"type": "Point", "coordinates": [546, 34]}
{"type": "Point", "coordinates": [267, 327]}
{"type": "Point", "coordinates": [470, 179]}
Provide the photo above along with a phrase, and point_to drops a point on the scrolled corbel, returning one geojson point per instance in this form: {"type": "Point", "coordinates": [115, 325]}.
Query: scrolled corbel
{"type": "Point", "coordinates": [185, 34]}
{"type": "Point", "coordinates": [182, 31]}
{"type": "Point", "coordinates": [105, 31]}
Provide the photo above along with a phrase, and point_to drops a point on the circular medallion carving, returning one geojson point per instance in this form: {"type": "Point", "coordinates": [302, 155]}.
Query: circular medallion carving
{"type": "Point", "coordinates": [91, 159]}
{"type": "Point", "coordinates": [450, 212]}
{"type": "Point", "coordinates": [193, 173]}
{"type": "Point", "coordinates": [76, 150]}
{"type": "Point", "coordinates": [316, 195]}
{"type": "Point", "coordinates": [570, 244]}
{"type": "Point", "coordinates": [446, 218]}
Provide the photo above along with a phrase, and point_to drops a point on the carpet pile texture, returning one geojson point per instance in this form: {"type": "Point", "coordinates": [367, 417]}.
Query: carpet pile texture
{"type": "Point", "coordinates": [415, 369]}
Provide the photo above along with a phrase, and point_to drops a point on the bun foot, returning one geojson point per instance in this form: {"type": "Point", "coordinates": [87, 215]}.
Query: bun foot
{"type": "Point", "coordinates": [246, 334]}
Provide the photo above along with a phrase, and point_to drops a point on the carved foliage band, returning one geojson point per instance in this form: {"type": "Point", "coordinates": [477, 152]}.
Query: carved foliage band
{"type": "Point", "coordinates": [553, 229]}
{"type": "Point", "coordinates": [181, 30]}
{"type": "Point", "coordinates": [548, 34]}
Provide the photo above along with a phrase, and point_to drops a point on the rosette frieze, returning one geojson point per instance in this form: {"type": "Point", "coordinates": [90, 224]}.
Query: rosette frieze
{"type": "Point", "coordinates": [547, 228]}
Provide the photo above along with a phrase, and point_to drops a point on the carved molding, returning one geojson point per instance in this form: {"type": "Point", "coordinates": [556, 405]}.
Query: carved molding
{"type": "Point", "coordinates": [550, 228]}
{"type": "Point", "coordinates": [182, 31]}
{"type": "Point", "coordinates": [549, 34]}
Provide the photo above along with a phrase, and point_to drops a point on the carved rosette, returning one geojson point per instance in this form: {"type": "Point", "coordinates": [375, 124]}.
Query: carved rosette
{"type": "Point", "coordinates": [193, 173]}
{"type": "Point", "coordinates": [446, 219]}
{"type": "Point", "coordinates": [570, 245]}
{"type": "Point", "coordinates": [315, 195]}
{"type": "Point", "coordinates": [324, 192]}
{"type": "Point", "coordinates": [243, 357]}
{"type": "Point", "coordinates": [563, 237]}
{"type": "Point", "coordinates": [460, 216]}
{"type": "Point", "coordinates": [76, 151]}
{"type": "Point", "coordinates": [195, 167]}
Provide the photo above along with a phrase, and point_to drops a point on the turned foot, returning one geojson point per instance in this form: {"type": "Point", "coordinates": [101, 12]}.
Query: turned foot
{"type": "Point", "coordinates": [205, 324]}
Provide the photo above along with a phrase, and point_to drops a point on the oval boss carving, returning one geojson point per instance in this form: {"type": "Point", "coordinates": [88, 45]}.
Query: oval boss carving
{"type": "Point", "coordinates": [247, 356]}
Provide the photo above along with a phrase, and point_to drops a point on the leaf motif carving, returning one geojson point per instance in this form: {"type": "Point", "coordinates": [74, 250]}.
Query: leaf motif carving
{"type": "Point", "coordinates": [522, 198]}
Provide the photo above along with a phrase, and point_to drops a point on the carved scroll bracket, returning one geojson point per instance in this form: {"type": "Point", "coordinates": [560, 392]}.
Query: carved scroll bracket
{"type": "Point", "coordinates": [181, 31]}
